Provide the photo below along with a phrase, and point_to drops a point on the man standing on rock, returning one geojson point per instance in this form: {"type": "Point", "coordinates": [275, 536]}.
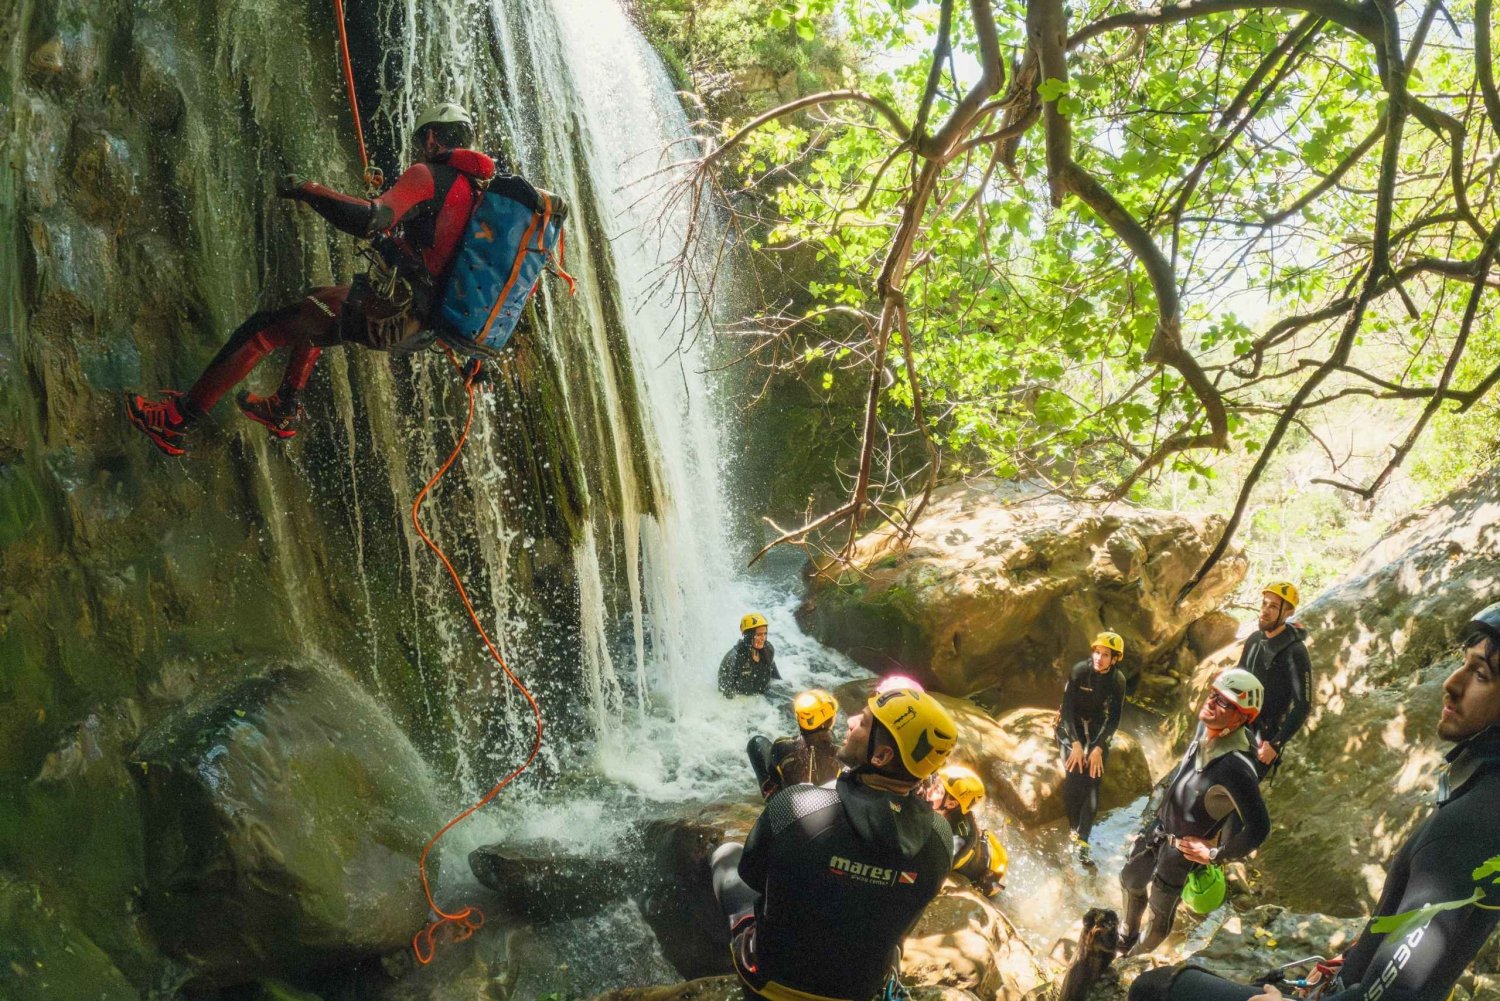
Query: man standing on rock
{"type": "Point", "coordinates": [749, 666]}
{"type": "Point", "coordinates": [1451, 859]}
{"type": "Point", "coordinates": [1086, 723]}
{"type": "Point", "coordinates": [808, 757]}
{"type": "Point", "coordinates": [1215, 781]}
{"type": "Point", "coordinates": [832, 878]}
{"type": "Point", "coordinates": [1275, 653]}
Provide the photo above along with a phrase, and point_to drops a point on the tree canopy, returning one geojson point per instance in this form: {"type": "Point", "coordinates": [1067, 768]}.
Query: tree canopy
{"type": "Point", "coordinates": [1092, 243]}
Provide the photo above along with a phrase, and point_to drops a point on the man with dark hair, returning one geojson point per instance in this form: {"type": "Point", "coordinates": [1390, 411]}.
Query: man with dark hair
{"type": "Point", "coordinates": [821, 895]}
{"type": "Point", "coordinates": [417, 225]}
{"type": "Point", "coordinates": [1276, 654]}
{"type": "Point", "coordinates": [1439, 864]}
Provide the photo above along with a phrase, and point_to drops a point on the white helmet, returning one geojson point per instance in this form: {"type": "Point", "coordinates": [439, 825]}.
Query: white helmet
{"type": "Point", "coordinates": [1243, 689]}
{"type": "Point", "coordinates": [446, 113]}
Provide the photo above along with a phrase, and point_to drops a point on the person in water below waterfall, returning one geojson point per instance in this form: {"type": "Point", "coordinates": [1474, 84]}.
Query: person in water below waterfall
{"type": "Point", "coordinates": [747, 669]}
{"type": "Point", "coordinates": [808, 757]}
{"type": "Point", "coordinates": [416, 226]}
{"type": "Point", "coordinates": [1086, 723]}
{"type": "Point", "coordinates": [1421, 960]}
{"type": "Point", "coordinates": [978, 855]}
{"type": "Point", "coordinates": [824, 890]}
{"type": "Point", "coordinates": [1215, 780]}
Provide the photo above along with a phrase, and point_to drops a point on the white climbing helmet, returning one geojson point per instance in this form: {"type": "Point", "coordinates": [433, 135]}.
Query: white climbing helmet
{"type": "Point", "coordinates": [1243, 689]}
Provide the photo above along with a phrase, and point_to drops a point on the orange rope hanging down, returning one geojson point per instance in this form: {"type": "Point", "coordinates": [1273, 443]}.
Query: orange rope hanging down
{"type": "Point", "coordinates": [467, 921]}
{"type": "Point", "coordinates": [373, 176]}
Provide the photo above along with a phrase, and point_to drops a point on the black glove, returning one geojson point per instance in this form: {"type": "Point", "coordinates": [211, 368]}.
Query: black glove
{"type": "Point", "coordinates": [289, 186]}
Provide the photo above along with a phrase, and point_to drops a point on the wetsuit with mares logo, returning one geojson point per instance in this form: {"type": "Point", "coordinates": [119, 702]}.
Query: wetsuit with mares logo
{"type": "Point", "coordinates": [1089, 716]}
{"type": "Point", "coordinates": [1436, 864]}
{"type": "Point", "coordinates": [747, 671]}
{"type": "Point", "coordinates": [1285, 670]}
{"type": "Point", "coordinates": [808, 757]}
{"type": "Point", "coordinates": [827, 886]}
{"type": "Point", "coordinates": [1216, 779]}
{"type": "Point", "coordinates": [422, 217]}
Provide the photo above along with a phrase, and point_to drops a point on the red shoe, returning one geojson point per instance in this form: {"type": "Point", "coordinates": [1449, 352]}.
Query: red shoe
{"type": "Point", "coordinates": [162, 421]}
{"type": "Point", "coordinates": [279, 418]}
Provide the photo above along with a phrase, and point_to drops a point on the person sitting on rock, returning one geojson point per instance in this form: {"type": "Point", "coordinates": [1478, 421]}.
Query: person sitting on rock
{"type": "Point", "coordinates": [808, 757]}
{"type": "Point", "coordinates": [418, 223]}
{"type": "Point", "coordinates": [821, 895]}
{"type": "Point", "coordinates": [1448, 859]}
{"type": "Point", "coordinates": [1276, 654]}
{"type": "Point", "coordinates": [1216, 779]}
{"type": "Point", "coordinates": [1086, 723]}
{"type": "Point", "coordinates": [749, 666]}
{"type": "Point", "coordinates": [978, 855]}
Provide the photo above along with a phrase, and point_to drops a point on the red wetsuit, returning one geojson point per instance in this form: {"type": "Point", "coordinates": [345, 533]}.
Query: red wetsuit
{"type": "Point", "coordinates": [424, 213]}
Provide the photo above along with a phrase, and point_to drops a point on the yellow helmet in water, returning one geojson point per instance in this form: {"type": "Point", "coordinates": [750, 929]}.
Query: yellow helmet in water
{"type": "Point", "coordinates": [999, 859]}
{"type": "Point", "coordinates": [752, 620]}
{"type": "Point", "coordinates": [923, 731]}
{"type": "Point", "coordinates": [815, 709]}
{"type": "Point", "coordinates": [1285, 590]}
{"type": "Point", "coordinates": [1110, 641]}
{"type": "Point", "coordinates": [963, 784]}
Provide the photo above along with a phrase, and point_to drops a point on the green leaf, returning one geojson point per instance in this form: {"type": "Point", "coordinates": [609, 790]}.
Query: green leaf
{"type": "Point", "coordinates": [806, 30]}
{"type": "Point", "coordinates": [1051, 89]}
{"type": "Point", "coordinates": [779, 19]}
{"type": "Point", "coordinates": [1490, 868]}
{"type": "Point", "coordinates": [1399, 924]}
{"type": "Point", "coordinates": [827, 381]}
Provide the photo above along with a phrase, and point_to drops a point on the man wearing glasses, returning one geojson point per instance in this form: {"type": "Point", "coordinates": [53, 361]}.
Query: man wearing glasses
{"type": "Point", "coordinates": [1217, 779]}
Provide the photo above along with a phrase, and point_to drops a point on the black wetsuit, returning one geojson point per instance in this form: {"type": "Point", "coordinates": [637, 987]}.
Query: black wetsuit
{"type": "Point", "coordinates": [827, 886]}
{"type": "Point", "coordinates": [1200, 796]}
{"type": "Point", "coordinates": [741, 674]}
{"type": "Point", "coordinates": [971, 853]}
{"type": "Point", "coordinates": [1089, 716]}
{"type": "Point", "coordinates": [1435, 864]}
{"type": "Point", "coordinates": [1283, 667]}
{"type": "Point", "coordinates": [808, 757]}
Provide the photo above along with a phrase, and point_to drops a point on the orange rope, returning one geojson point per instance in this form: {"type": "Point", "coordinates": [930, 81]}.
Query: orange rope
{"type": "Point", "coordinates": [466, 922]}
{"type": "Point", "coordinates": [373, 177]}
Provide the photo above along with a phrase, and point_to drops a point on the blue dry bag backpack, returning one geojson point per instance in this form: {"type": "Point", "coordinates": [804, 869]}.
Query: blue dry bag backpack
{"type": "Point", "coordinates": [512, 234]}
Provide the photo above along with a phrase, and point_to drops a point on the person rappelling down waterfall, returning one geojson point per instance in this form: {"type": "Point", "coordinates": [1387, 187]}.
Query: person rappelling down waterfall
{"type": "Point", "coordinates": [418, 230]}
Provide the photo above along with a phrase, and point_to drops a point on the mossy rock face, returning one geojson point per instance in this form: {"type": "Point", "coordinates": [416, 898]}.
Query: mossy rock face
{"type": "Point", "coordinates": [45, 957]}
{"type": "Point", "coordinates": [283, 820]}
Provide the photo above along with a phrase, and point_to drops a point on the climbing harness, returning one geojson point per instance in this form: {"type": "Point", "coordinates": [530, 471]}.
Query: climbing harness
{"type": "Point", "coordinates": [463, 923]}
{"type": "Point", "coordinates": [374, 177]}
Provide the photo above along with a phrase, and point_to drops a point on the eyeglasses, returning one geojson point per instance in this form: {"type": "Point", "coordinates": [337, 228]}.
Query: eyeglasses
{"type": "Point", "coordinates": [1220, 702]}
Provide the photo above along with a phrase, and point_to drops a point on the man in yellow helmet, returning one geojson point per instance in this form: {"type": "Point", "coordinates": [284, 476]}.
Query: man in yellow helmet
{"type": "Point", "coordinates": [808, 757]}
{"type": "Point", "coordinates": [821, 895]}
{"type": "Point", "coordinates": [1277, 654]}
{"type": "Point", "coordinates": [749, 666]}
{"type": "Point", "coordinates": [1086, 722]}
{"type": "Point", "coordinates": [978, 855]}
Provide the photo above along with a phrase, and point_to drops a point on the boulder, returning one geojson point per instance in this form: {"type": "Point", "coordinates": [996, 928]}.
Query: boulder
{"type": "Point", "coordinates": [283, 819]}
{"type": "Point", "coordinates": [1360, 777]}
{"type": "Point", "coordinates": [45, 956]}
{"type": "Point", "coordinates": [679, 902]}
{"type": "Point", "coordinates": [1017, 757]}
{"type": "Point", "coordinates": [1002, 590]}
{"type": "Point", "coordinates": [962, 941]}
{"type": "Point", "coordinates": [544, 881]}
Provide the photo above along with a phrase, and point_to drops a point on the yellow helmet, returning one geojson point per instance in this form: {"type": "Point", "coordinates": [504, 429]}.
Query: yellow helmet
{"type": "Point", "coordinates": [1285, 590]}
{"type": "Point", "coordinates": [923, 731]}
{"type": "Point", "coordinates": [752, 620]}
{"type": "Point", "coordinates": [815, 709]}
{"type": "Point", "coordinates": [1110, 641]}
{"type": "Point", "coordinates": [999, 858]}
{"type": "Point", "coordinates": [961, 782]}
